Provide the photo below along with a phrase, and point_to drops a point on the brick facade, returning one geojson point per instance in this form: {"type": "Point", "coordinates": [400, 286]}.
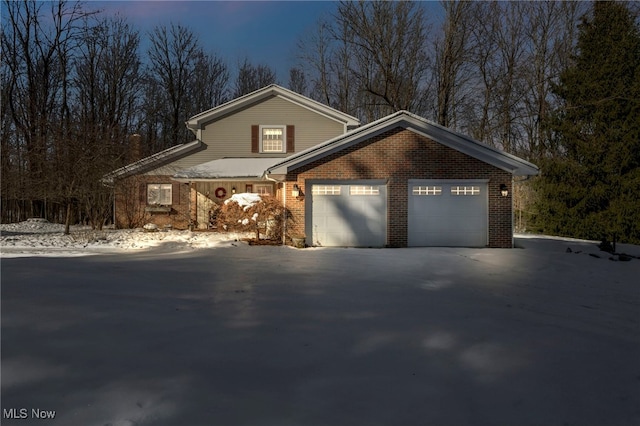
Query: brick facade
{"type": "Point", "coordinates": [397, 156]}
{"type": "Point", "coordinates": [132, 211]}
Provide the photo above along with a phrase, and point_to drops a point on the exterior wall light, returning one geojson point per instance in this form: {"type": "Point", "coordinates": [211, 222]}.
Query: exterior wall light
{"type": "Point", "coordinates": [503, 190]}
{"type": "Point", "coordinates": [233, 190]}
{"type": "Point", "coordinates": [295, 192]}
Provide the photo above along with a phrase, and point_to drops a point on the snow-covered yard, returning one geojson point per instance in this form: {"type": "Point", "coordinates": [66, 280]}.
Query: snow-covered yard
{"type": "Point", "coordinates": [200, 330]}
{"type": "Point", "coordinates": [37, 237]}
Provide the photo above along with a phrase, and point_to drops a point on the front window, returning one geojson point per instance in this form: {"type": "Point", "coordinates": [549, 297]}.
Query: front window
{"type": "Point", "coordinates": [264, 189]}
{"type": "Point", "coordinates": [273, 139]}
{"type": "Point", "coordinates": [159, 194]}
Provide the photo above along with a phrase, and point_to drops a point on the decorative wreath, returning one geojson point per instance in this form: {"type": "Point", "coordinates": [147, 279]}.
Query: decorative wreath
{"type": "Point", "coordinates": [221, 192]}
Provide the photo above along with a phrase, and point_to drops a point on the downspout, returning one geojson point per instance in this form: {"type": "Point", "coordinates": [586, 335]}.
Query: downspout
{"type": "Point", "coordinates": [513, 214]}
{"type": "Point", "coordinates": [284, 205]}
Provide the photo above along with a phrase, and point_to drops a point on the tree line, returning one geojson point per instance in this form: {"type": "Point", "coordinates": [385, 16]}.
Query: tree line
{"type": "Point", "coordinates": [76, 84]}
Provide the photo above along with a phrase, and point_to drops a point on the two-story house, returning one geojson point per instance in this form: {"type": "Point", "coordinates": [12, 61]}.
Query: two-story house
{"type": "Point", "coordinates": [234, 144]}
{"type": "Point", "coordinates": [399, 181]}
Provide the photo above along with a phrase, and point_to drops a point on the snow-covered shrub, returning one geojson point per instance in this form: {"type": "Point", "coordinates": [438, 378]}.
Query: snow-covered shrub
{"type": "Point", "coordinates": [150, 227]}
{"type": "Point", "coordinates": [249, 212]}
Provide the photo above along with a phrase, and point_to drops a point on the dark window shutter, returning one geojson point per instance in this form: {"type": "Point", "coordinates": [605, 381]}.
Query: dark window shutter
{"type": "Point", "coordinates": [255, 138]}
{"type": "Point", "coordinates": [175, 194]}
{"type": "Point", "coordinates": [291, 138]}
{"type": "Point", "coordinates": [143, 193]}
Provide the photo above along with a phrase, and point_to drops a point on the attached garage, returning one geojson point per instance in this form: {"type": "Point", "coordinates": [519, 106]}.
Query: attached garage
{"type": "Point", "coordinates": [348, 214]}
{"type": "Point", "coordinates": [447, 213]}
{"type": "Point", "coordinates": [401, 181]}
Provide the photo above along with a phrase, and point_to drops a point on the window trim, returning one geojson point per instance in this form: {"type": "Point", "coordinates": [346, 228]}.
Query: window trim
{"type": "Point", "coordinates": [257, 187]}
{"type": "Point", "coordinates": [261, 129]}
{"type": "Point", "coordinates": [160, 186]}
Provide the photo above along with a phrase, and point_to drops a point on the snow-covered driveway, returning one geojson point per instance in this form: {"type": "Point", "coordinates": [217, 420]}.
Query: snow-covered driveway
{"type": "Point", "coordinates": [277, 336]}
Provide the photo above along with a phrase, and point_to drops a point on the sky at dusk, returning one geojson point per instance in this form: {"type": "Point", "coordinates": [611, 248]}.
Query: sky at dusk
{"type": "Point", "coordinates": [265, 32]}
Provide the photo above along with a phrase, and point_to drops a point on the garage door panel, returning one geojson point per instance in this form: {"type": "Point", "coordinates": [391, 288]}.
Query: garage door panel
{"type": "Point", "coordinates": [350, 218]}
{"type": "Point", "coordinates": [447, 213]}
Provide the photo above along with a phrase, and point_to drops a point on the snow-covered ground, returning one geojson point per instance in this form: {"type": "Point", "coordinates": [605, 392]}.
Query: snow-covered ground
{"type": "Point", "coordinates": [38, 237]}
{"type": "Point", "coordinates": [544, 334]}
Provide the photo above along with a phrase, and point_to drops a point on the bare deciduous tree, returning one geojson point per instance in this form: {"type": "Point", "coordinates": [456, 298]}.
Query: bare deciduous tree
{"type": "Point", "coordinates": [171, 55]}
{"type": "Point", "coordinates": [107, 81]}
{"type": "Point", "coordinates": [298, 81]}
{"type": "Point", "coordinates": [387, 41]}
{"type": "Point", "coordinates": [252, 77]}
{"type": "Point", "coordinates": [452, 53]}
{"type": "Point", "coordinates": [182, 80]}
{"type": "Point", "coordinates": [37, 47]}
{"type": "Point", "coordinates": [314, 56]}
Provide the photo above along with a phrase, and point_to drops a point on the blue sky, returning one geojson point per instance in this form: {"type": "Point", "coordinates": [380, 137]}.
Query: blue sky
{"type": "Point", "coordinates": [266, 32]}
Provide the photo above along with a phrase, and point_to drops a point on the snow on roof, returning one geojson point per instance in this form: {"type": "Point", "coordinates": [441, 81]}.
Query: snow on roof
{"type": "Point", "coordinates": [154, 160]}
{"type": "Point", "coordinates": [225, 168]}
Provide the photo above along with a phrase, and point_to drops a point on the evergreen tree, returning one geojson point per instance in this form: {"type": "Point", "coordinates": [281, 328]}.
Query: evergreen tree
{"type": "Point", "coordinates": [590, 183]}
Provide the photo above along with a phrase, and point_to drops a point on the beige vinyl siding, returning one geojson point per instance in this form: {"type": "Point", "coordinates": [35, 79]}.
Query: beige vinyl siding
{"type": "Point", "coordinates": [230, 136]}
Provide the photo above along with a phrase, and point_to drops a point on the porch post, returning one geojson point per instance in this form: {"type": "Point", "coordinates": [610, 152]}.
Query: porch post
{"type": "Point", "coordinates": [284, 204]}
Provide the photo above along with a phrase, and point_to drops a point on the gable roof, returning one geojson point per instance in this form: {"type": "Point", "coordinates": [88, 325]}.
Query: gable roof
{"type": "Point", "coordinates": [154, 160]}
{"type": "Point", "coordinates": [500, 159]}
{"type": "Point", "coordinates": [197, 121]}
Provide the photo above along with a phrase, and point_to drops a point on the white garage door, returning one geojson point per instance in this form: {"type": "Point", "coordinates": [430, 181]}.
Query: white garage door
{"type": "Point", "coordinates": [448, 213]}
{"type": "Point", "coordinates": [349, 214]}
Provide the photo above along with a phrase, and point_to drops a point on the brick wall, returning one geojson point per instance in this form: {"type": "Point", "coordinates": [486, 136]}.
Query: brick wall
{"type": "Point", "coordinates": [397, 156]}
{"type": "Point", "coordinates": [131, 203]}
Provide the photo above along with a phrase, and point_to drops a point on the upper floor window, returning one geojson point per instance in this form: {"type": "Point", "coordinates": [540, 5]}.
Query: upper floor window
{"type": "Point", "coordinates": [272, 138]}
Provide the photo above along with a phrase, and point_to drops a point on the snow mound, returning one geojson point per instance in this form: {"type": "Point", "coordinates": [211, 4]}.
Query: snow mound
{"type": "Point", "coordinates": [33, 225]}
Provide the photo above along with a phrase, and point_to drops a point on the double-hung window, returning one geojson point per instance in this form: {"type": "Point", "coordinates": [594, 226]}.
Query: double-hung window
{"type": "Point", "coordinates": [264, 189]}
{"type": "Point", "coordinates": [159, 194]}
{"type": "Point", "coordinates": [272, 138]}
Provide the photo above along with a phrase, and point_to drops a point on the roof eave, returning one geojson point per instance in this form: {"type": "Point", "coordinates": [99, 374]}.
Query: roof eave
{"type": "Point", "coordinates": [196, 122]}
{"type": "Point", "coordinates": [440, 134]}
{"type": "Point", "coordinates": [156, 160]}
{"type": "Point", "coordinates": [186, 179]}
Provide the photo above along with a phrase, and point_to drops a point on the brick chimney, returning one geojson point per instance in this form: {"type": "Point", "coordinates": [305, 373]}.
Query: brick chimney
{"type": "Point", "coordinates": [135, 150]}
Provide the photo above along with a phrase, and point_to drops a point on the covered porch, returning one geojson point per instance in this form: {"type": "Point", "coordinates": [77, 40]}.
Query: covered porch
{"type": "Point", "coordinates": [216, 181]}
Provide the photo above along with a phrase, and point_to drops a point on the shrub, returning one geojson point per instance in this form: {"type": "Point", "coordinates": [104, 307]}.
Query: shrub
{"type": "Point", "coordinates": [253, 213]}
